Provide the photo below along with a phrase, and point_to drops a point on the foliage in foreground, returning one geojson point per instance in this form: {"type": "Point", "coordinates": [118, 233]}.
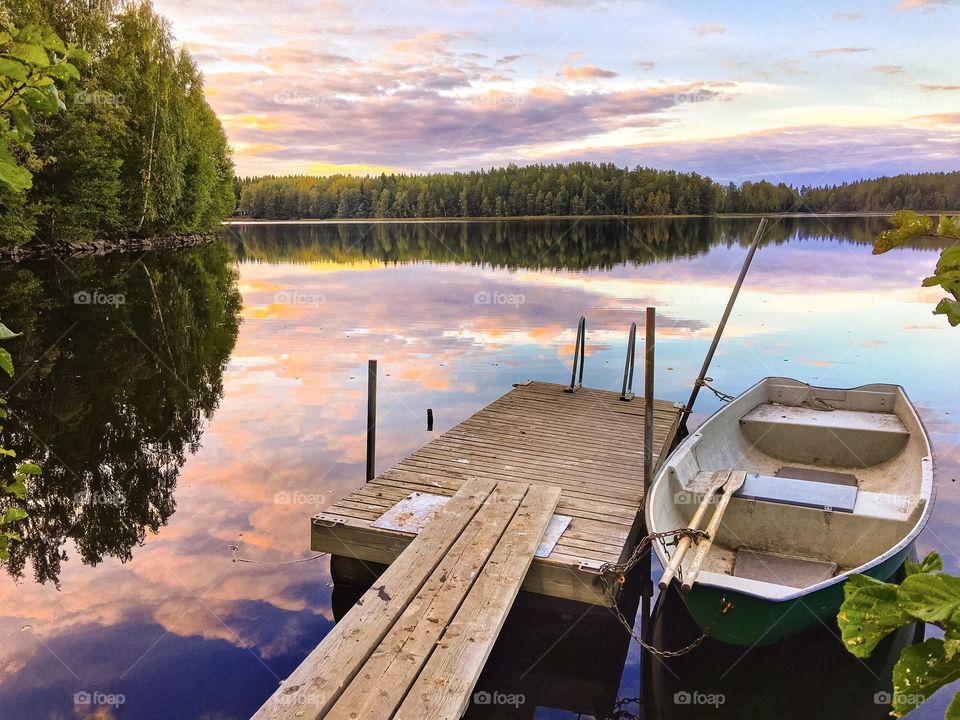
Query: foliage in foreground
{"type": "Point", "coordinates": [908, 225]}
{"type": "Point", "coordinates": [11, 513]}
{"type": "Point", "coordinates": [135, 149]}
{"type": "Point", "coordinates": [873, 609]}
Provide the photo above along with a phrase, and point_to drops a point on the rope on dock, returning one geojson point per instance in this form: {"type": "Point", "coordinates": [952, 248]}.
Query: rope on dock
{"type": "Point", "coordinates": [614, 574]}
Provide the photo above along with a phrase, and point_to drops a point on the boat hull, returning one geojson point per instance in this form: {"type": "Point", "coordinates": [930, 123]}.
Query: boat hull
{"type": "Point", "coordinates": [752, 620]}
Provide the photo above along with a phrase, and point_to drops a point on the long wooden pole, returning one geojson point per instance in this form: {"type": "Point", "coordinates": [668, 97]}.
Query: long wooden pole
{"type": "Point", "coordinates": [371, 419]}
{"type": "Point", "coordinates": [648, 389]}
{"type": "Point", "coordinates": [723, 324]}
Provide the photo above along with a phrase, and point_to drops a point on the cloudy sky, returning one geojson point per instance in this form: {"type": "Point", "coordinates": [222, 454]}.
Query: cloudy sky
{"type": "Point", "coordinates": [806, 92]}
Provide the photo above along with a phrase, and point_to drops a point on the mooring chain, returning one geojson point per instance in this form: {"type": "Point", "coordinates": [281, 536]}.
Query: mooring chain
{"type": "Point", "coordinates": [723, 397]}
{"type": "Point", "coordinates": [614, 574]}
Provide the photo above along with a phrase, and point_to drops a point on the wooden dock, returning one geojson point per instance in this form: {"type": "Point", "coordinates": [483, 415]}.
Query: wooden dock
{"type": "Point", "coordinates": [588, 443]}
{"type": "Point", "coordinates": [414, 645]}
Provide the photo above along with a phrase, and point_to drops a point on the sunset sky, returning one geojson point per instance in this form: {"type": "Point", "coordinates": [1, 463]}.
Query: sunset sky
{"type": "Point", "coordinates": [805, 92]}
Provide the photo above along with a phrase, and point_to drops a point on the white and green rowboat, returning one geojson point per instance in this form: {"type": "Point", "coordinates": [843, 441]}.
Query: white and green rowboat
{"type": "Point", "coordinates": [834, 482]}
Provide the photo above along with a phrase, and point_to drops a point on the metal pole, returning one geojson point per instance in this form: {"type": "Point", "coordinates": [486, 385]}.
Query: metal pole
{"type": "Point", "coordinates": [371, 419]}
{"type": "Point", "coordinates": [723, 324]}
{"type": "Point", "coordinates": [648, 389]}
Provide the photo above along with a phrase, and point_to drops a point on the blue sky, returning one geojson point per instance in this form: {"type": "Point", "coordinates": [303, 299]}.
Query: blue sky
{"type": "Point", "coordinates": [803, 92]}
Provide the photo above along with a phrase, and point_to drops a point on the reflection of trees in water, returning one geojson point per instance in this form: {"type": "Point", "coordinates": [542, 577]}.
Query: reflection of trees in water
{"type": "Point", "coordinates": [559, 244]}
{"type": "Point", "coordinates": [109, 398]}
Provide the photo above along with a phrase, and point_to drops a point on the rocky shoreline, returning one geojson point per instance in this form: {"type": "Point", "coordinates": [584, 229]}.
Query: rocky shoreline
{"type": "Point", "coordinates": [44, 251]}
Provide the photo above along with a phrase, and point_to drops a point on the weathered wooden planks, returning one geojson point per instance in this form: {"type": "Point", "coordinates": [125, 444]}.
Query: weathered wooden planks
{"type": "Point", "coordinates": [445, 597]}
{"type": "Point", "coordinates": [588, 443]}
{"type": "Point", "coordinates": [320, 679]}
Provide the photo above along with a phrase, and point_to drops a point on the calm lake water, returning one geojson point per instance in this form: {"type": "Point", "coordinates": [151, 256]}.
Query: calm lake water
{"type": "Point", "coordinates": [193, 408]}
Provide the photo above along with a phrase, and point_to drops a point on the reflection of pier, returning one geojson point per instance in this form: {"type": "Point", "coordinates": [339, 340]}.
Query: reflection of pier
{"type": "Point", "coordinates": [541, 479]}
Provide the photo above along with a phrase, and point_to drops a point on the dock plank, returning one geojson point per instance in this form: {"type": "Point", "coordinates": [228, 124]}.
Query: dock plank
{"type": "Point", "coordinates": [442, 689]}
{"type": "Point", "coordinates": [394, 666]}
{"type": "Point", "coordinates": [320, 679]}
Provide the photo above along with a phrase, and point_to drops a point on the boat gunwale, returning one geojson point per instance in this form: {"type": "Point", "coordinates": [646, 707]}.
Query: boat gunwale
{"type": "Point", "coordinates": [928, 493]}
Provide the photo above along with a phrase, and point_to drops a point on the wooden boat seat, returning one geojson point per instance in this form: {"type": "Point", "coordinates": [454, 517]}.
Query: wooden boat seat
{"type": "Point", "coordinates": [837, 438]}
{"type": "Point", "coordinates": [781, 569]}
{"type": "Point", "coordinates": [793, 491]}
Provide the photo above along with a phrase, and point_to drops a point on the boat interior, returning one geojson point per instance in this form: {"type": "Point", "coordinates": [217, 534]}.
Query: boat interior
{"type": "Point", "coordinates": [834, 479]}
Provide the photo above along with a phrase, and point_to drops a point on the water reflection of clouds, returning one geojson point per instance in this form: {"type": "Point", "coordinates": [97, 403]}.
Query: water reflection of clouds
{"type": "Point", "coordinates": [292, 420]}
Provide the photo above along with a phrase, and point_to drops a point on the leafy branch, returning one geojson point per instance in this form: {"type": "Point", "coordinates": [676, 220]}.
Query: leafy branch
{"type": "Point", "coordinates": [16, 487]}
{"type": "Point", "coordinates": [32, 61]}
{"type": "Point", "coordinates": [872, 609]}
{"type": "Point", "coordinates": [908, 224]}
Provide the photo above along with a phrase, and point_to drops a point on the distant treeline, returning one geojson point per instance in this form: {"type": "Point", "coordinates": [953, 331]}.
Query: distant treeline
{"type": "Point", "coordinates": [576, 189]}
{"type": "Point", "coordinates": [135, 150]}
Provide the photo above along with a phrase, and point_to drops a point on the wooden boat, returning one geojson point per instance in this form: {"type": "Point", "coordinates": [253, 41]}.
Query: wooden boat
{"type": "Point", "coordinates": [836, 482]}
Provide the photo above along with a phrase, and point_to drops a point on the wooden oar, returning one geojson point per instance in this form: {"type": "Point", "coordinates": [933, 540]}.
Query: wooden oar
{"type": "Point", "coordinates": [729, 488]}
{"type": "Point", "coordinates": [719, 479]}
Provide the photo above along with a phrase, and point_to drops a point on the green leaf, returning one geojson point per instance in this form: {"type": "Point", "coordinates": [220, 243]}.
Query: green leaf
{"type": "Point", "coordinates": [13, 515]}
{"type": "Point", "coordinates": [868, 614]}
{"type": "Point", "coordinates": [16, 488]}
{"type": "Point", "coordinates": [52, 41]}
{"type": "Point", "coordinates": [921, 671]}
{"type": "Point", "coordinates": [8, 453]}
{"type": "Point", "coordinates": [950, 308]}
{"type": "Point", "coordinates": [6, 333]}
{"type": "Point", "coordinates": [6, 361]}
{"type": "Point", "coordinates": [949, 226]}
{"type": "Point", "coordinates": [22, 123]}
{"type": "Point", "coordinates": [14, 69]}
{"type": "Point", "coordinates": [953, 709]}
{"type": "Point", "coordinates": [40, 100]}
{"type": "Point", "coordinates": [28, 469]}
{"type": "Point", "coordinates": [16, 177]}
{"type": "Point", "coordinates": [930, 598]}
{"type": "Point", "coordinates": [931, 563]}
{"type": "Point", "coordinates": [10, 535]}
{"type": "Point", "coordinates": [30, 52]}
{"type": "Point", "coordinates": [63, 71]}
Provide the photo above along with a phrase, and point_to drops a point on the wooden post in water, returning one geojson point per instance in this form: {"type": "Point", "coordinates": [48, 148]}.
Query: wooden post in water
{"type": "Point", "coordinates": [371, 419]}
{"type": "Point", "coordinates": [648, 390]}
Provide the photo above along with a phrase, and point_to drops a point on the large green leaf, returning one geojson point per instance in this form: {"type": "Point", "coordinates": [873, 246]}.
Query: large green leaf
{"type": "Point", "coordinates": [930, 598]}
{"type": "Point", "coordinates": [950, 308]}
{"type": "Point", "coordinates": [13, 515]}
{"type": "Point", "coordinates": [869, 613]}
{"type": "Point", "coordinates": [921, 671]}
{"type": "Point", "coordinates": [14, 69]}
{"type": "Point", "coordinates": [931, 563]}
{"type": "Point", "coordinates": [15, 176]}
{"type": "Point", "coordinates": [953, 709]}
{"type": "Point", "coordinates": [6, 333]}
{"type": "Point", "coordinates": [6, 362]}
{"type": "Point", "coordinates": [63, 71]}
{"type": "Point", "coordinates": [30, 52]}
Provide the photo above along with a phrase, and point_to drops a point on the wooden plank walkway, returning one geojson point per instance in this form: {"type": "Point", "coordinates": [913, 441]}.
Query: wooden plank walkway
{"type": "Point", "coordinates": [588, 443]}
{"type": "Point", "coordinates": [414, 645]}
